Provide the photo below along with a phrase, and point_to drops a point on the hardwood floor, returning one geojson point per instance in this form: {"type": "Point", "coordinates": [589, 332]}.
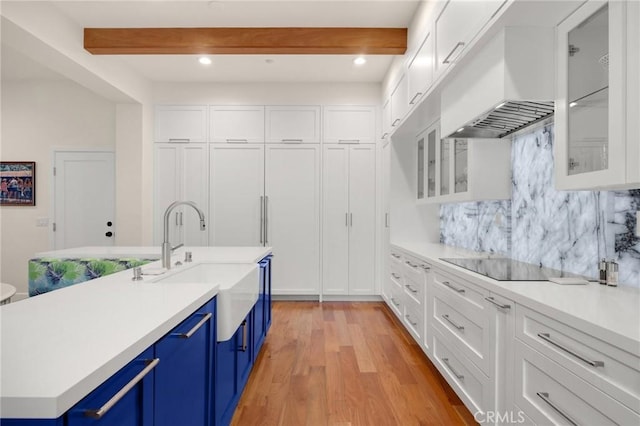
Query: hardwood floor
{"type": "Point", "coordinates": [344, 364]}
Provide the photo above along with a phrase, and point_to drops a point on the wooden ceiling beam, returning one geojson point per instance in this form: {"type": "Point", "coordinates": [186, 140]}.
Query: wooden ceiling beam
{"type": "Point", "coordinates": [267, 41]}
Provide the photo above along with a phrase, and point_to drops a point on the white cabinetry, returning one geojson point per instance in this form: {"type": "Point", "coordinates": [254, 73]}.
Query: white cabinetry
{"type": "Point", "coordinates": [349, 124]}
{"type": "Point", "coordinates": [399, 103]}
{"type": "Point", "coordinates": [386, 121]}
{"type": "Point", "coordinates": [349, 220]}
{"type": "Point", "coordinates": [292, 197]}
{"type": "Point", "coordinates": [456, 26]}
{"type": "Point", "coordinates": [180, 123]}
{"type": "Point", "coordinates": [292, 124]}
{"type": "Point", "coordinates": [181, 174]}
{"type": "Point", "coordinates": [236, 124]}
{"type": "Point", "coordinates": [237, 195]}
{"type": "Point", "coordinates": [420, 70]}
{"type": "Point", "coordinates": [597, 61]}
{"type": "Point", "coordinates": [459, 170]}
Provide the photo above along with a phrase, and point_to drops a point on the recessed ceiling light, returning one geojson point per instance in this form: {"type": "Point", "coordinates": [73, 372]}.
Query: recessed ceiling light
{"type": "Point", "coordinates": [460, 129]}
{"type": "Point", "coordinates": [269, 61]}
{"type": "Point", "coordinates": [204, 60]}
{"type": "Point", "coordinates": [572, 104]}
{"type": "Point", "coordinates": [501, 105]}
{"type": "Point", "coordinates": [359, 60]}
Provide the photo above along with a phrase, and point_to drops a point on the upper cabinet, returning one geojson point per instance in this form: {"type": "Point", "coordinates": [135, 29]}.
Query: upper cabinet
{"type": "Point", "coordinates": [386, 121]}
{"type": "Point", "coordinates": [420, 71]}
{"type": "Point", "coordinates": [292, 124]}
{"type": "Point", "coordinates": [236, 124]}
{"type": "Point", "coordinates": [598, 76]}
{"type": "Point", "coordinates": [180, 123]}
{"type": "Point", "coordinates": [459, 169]}
{"type": "Point", "coordinates": [349, 124]}
{"type": "Point", "coordinates": [399, 104]}
{"type": "Point", "coordinates": [456, 25]}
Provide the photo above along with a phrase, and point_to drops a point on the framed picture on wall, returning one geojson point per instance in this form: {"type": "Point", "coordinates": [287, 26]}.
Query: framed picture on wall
{"type": "Point", "coordinates": [17, 183]}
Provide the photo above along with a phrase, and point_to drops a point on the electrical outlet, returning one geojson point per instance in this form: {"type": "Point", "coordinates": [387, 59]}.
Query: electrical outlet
{"type": "Point", "coordinates": [42, 221]}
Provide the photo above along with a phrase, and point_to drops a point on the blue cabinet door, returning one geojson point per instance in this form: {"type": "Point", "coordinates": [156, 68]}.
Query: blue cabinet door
{"type": "Point", "coordinates": [103, 407]}
{"type": "Point", "coordinates": [267, 293]}
{"type": "Point", "coordinates": [259, 312]}
{"type": "Point", "coordinates": [225, 379]}
{"type": "Point", "coordinates": [244, 352]}
{"type": "Point", "coordinates": [183, 382]}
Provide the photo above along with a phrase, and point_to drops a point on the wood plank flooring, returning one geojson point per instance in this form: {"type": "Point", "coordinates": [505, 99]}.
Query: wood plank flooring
{"type": "Point", "coordinates": [344, 364]}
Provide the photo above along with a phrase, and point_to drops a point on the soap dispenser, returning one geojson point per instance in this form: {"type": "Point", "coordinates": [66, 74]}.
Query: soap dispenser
{"type": "Point", "coordinates": [612, 274]}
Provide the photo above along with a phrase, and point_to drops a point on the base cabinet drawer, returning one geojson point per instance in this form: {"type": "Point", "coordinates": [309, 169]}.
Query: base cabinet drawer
{"type": "Point", "coordinates": [615, 371]}
{"type": "Point", "coordinates": [471, 385]}
{"type": "Point", "coordinates": [551, 394]}
{"type": "Point", "coordinates": [397, 300]}
{"type": "Point", "coordinates": [414, 320]}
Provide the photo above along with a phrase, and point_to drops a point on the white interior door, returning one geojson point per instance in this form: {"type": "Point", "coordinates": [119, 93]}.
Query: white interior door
{"type": "Point", "coordinates": [335, 219]}
{"type": "Point", "coordinates": [84, 194]}
{"type": "Point", "coordinates": [237, 194]}
{"type": "Point", "coordinates": [292, 185]}
{"type": "Point", "coordinates": [362, 207]}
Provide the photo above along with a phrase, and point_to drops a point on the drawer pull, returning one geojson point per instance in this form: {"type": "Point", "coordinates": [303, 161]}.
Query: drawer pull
{"type": "Point", "coordinates": [454, 288]}
{"type": "Point", "coordinates": [545, 397]}
{"type": "Point", "coordinates": [99, 413]}
{"type": "Point", "coordinates": [395, 122]}
{"type": "Point", "coordinates": [396, 276]}
{"type": "Point", "coordinates": [410, 322]}
{"type": "Point", "coordinates": [413, 100]}
{"type": "Point", "coordinates": [459, 44]}
{"type": "Point", "coordinates": [546, 337]}
{"type": "Point", "coordinates": [195, 327]}
{"type": "Point", "coordinates": [455, 373]}
{"type": "Point", "coordinates": [413, 265]}
{"type": "Point", "coordinates": [397, 256]}
{"type": "Point", "coordinates": [492, 300]}
{"type": "Point", "coordinates": [426, 267]}
{"type": "Point", "coordinates": [459, 327]}
{"type": "Point", "coordinates": [394, 302]}
{"type": "Point", "coordinates": [411, 289]}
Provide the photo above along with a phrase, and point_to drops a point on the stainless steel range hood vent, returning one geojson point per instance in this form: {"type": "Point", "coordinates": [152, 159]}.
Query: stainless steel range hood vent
{"type": "Point", "coordinates": [506, 118]}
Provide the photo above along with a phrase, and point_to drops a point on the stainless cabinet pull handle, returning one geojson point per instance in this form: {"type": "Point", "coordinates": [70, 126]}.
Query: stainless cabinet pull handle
{"type": "Point", "coordinates": [397, 256]}
{"type": "Point", "coordinates": [237, 140]}
{"type": "Point", "coordinates": [179, 140]}
{"type": "Point", "coordinates": [426, 267]}
{"type": "Point", "coordinates": [411, 289]}
{"type": "Point", "coordinates": [384, 135]}
{"type": "Point", "coordinates": [396, 276]}
{"type": "Point", "coordinates": [195, 328]}
{"type": "Point", "coordinates": [394, 302]}
{"type": "Point", "coordinates": [292, 140]}
{"type": "Point", "coordinates": [262, 219]}
{"type": "Point", "coordinates": [408, 317]}
{"type": "Point", "coordinates": [446, 60]}
{"type": "Point", "coordinates": [266, 219]}
{"type": "Point", "coordinates": [418, 94]}
{"type": "Point", "coordinates": [97, 414]}
{"type": "Point", "coordinates": [450, 321]}
{"type": "Point", "coordinates": [181, 219]}
{"type": "Point", "coordinates": [501, 306]}
{"type": "Point", "coordinates": [386, 220]}
{"type": "Point", "coordinates": [546, 337]}
{"type": "Point", "coordinates": [413, 265]}
{"type": "Point", "coordinates": [349, 141]}
{"type": "Point", "coordinates": [350, 219]}
{"type": "Point", "coordinates": [455, 373]}
{"type": "Point", "coordinates": [243, 347]}
{"type": "Point", "coordinates": [177, 219]}
{"type": "Point", "coordinates": [395, 122]}
{"type": "Point", "coordinates": [346, 219]}
{"type": "Point", "coordinates": [448, 284]}
{"type": "Point", "coordinates": [545, 397]}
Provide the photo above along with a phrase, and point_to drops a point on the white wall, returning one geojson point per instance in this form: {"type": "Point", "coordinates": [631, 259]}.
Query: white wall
{"type": "Point", "coordinates": [36, 117]}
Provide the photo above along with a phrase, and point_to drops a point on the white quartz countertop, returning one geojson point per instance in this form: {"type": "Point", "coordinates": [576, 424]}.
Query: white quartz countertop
{"type": "Point", "coordinates": [57, 347]}
{"type": "Point", "coordinates": [611, 313]}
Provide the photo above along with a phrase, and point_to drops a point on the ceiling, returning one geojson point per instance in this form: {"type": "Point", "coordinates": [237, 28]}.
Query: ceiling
{"type": "Point", "coordinates": [239, 13]}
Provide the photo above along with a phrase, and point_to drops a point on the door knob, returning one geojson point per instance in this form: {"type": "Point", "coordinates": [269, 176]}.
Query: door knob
{"type": "Point", "coordinates": [108, 234]}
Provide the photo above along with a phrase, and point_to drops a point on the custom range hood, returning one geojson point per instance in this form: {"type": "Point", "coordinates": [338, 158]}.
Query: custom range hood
{"type": "Point", "coordinates": [506, 86]}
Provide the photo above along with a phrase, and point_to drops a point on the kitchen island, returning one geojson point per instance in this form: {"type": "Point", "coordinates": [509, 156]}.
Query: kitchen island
{"type": "Point", "coordinates": [60, 346]}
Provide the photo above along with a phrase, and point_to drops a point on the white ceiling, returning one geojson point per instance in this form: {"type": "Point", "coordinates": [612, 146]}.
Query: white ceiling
{"type": "Point", "coordinates": [241, 13]}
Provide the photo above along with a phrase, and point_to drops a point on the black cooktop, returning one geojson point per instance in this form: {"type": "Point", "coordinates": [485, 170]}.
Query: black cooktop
{"type": "Point", "coordinates": [502, 269]}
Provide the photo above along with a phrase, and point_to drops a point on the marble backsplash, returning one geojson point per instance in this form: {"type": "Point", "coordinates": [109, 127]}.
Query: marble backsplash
{"type": "Point", "coordinates": [539, 225]}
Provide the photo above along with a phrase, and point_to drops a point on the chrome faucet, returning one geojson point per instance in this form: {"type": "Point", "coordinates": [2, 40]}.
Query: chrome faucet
{"type": "Point", "coordinates": [166, 246]}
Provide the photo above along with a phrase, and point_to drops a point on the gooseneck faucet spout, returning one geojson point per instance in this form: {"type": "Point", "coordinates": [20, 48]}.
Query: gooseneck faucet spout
{"type": "Point", "coordinates": [166, 246]}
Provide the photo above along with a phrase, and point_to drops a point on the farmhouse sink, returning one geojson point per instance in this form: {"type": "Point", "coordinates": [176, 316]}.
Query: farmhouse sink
{"type": "Point", "coordinates": [239, 285]}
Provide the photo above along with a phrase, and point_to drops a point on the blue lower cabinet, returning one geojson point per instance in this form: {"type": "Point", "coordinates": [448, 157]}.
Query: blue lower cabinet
{"type": "Point", "coordinates": [245, 351]}
{"type": "Point", "coordinates": [184, 377]}
{"type": "Point", "coordinates": [267, 293]}
{"type": "Point", "coordinates": [108, 406]}
{"type": "Point", "coordinates": [225, 380]}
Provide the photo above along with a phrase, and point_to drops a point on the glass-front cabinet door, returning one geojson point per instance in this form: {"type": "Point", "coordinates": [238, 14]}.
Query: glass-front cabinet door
{"type": "Point", "coordinates": [433, 135]}
{"type": "Point", "coordinates": [445, 166]}
{"type": "Point", "coordinates": [421, 160]}
{"type": "Point", "coordinates": [460, 165]}
{"type": "Point", "coordinates": [590, 136]}
{"type": "Point", "coordinates": [428, 150]}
